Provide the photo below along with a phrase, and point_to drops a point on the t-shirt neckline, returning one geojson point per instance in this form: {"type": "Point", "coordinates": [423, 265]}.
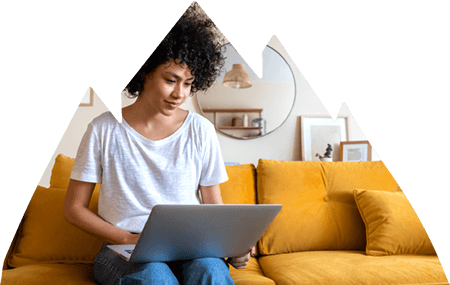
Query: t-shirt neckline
{"type": "Point", "coordinates": [161, 141]}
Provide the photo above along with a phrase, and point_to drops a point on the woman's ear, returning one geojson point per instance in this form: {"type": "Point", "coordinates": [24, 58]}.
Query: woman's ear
{"type": "Point", "coordinates": [148, 76]}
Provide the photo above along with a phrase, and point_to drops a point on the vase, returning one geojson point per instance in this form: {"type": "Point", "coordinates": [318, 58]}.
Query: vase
{"type": "Point", "coordinates": [245, 121]}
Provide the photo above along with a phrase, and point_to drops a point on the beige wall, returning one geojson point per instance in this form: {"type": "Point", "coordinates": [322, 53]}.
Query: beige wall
{"type": "Point", "coordinates": [283, 144]}
{"type": "Point", "coordinates": [72, 137]}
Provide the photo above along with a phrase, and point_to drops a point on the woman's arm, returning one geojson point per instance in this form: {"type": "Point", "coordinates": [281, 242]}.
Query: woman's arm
{"type": "Point", "coordinates": [76, 211]}
{"type": "Point", "coordinates": [211, 194]}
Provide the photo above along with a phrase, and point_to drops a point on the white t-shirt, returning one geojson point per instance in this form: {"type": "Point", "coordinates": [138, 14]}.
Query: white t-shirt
{"type": "Point", "coordinates": [137, 173]}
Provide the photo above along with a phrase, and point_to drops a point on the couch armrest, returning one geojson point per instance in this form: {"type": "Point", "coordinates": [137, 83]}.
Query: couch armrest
{"type": "Point", "coordinates": [11, 248]}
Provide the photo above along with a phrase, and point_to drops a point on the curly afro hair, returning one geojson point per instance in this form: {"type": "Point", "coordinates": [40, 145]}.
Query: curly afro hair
{"type": "Point", "coordinates": [194, 41]}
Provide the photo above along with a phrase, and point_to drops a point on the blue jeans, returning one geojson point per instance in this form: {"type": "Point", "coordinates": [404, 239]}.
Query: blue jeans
{"type": "Point", "coordinates": [111, 269]}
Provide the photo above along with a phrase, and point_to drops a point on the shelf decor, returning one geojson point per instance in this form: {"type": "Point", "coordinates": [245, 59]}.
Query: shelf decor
{"type": "Point", "coordinates": [317, 131]}
{"type": "Point", "coordinates": [356, 151]}
{"type": "Point", "coordinates": [238, 123]}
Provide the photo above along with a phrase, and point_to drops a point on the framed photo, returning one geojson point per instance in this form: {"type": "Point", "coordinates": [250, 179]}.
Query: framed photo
{"type": "Point", "coordinates": [319, 131]}
{"type": "Point", "coordinates": [88, 99]}
{"type": "Point", "coordinates": [356, 151]}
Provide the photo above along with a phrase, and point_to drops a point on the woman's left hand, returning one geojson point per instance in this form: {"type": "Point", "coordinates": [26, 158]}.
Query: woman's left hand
{"type": "Point", "coordinates": [240, 261]}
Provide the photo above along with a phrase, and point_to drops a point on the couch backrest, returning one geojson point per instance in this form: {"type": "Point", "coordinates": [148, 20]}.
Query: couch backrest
{"type": "Point", "coordinates": [241, 185]}
{"type": "Point", "coordinates": [319, 211]}
{"type": "Point", "coordinates": [45, 236]}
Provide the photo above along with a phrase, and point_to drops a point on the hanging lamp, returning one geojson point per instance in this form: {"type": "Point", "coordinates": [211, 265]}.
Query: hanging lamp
{"type": "Point", "coordinates": [237, 77]}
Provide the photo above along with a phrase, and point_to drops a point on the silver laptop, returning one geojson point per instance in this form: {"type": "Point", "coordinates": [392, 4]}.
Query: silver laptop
{"type": "Point", "coordinates": [183, 232]}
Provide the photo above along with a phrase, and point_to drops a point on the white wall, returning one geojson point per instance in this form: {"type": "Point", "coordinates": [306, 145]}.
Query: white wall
{"type": "Point", "coordinates": [283, 144]}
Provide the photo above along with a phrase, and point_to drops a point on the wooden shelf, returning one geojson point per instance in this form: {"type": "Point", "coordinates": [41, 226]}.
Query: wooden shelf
{"type": "Point", "coordinates": [216, 111]}
{"type": "Point", "coordinates": [238, 128]}
{"type": "Point", "coordinates": [232, 110]}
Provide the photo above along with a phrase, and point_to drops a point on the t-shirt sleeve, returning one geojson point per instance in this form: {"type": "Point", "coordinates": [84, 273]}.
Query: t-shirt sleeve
{"type": "Point", "coordinates": [87, 166]}
{"type": "Point", "coordinates": [213, 167]}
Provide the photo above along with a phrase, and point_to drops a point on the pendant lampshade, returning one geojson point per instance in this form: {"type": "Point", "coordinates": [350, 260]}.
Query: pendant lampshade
{"type": "Point", "coordinates": [237, 77]}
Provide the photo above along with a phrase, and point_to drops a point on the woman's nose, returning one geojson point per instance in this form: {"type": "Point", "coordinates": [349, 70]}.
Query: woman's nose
{"type": "Point", "coordinates": [178, 91]}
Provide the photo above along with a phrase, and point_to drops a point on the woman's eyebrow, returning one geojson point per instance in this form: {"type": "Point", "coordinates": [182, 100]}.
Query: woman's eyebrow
{"type": "Point", "coordinates": [177, 76]}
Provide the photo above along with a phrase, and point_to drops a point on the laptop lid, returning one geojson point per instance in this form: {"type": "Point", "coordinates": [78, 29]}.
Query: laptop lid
{"type": "Point", "coordinates": [182, 232]}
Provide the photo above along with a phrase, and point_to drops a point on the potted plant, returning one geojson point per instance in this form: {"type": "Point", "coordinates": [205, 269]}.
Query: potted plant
{"type": "Point", "coordinates": [327, 155]}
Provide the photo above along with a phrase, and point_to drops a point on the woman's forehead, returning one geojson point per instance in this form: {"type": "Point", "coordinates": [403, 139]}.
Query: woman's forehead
{"type": "Point", "coordinates": [173, 67]}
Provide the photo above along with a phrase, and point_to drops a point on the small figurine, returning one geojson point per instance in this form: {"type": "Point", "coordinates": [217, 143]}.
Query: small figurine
{"type": "Point", "coordinates": [327, 154]}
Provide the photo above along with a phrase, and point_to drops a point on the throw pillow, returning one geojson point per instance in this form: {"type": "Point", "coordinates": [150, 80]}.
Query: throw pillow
{"type": "Point", "coordinates": [392, 225]}
{"type": "Point", "coordinates": [45, 235]}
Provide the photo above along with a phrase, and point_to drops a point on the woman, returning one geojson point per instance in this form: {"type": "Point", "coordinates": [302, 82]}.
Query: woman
{"type": "Point", "coordinates": [160, 154]}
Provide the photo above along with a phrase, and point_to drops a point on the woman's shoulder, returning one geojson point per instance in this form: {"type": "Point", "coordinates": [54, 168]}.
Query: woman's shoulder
{"type": "Point", "coordinates": [200, 121]}
{"type": "Point", "coordinates": [201, 128]}
{"type": "Point", "coordinates": [105, 122]}
{"type": "Point", "coordinates": [104, 118]}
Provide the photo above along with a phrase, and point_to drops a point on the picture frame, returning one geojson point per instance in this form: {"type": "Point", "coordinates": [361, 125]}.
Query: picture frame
{"type": "Point", "coordinates": [355, 151]}
{"type": "Point", "coordinates": [88, 99]}
{"type": "Point", "coordinates": [317, 131]}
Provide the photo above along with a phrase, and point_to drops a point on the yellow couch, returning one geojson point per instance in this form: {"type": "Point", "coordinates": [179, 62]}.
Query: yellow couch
{"type": "Point", "coordinates": [341, 223]}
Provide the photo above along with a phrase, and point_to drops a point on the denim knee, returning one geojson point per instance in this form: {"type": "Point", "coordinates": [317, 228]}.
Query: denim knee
{"type": "Point", "coordinates": [206, 271]}
{"type": "Point", "coordinates": [109, 267]}
{"type": "Point", "coordinates": [149, 273]}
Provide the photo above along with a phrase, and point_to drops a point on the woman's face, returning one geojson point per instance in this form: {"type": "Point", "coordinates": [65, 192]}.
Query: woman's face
{"type": "Point", "coordinates": [167, 87]}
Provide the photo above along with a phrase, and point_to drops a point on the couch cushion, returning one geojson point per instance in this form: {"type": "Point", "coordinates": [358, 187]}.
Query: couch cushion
{"type": "Point", "coordinates": [76, 274]}
{"type": "Point", "coordinates": [351, 267]}
{"type": "Point", "coordinates": [252, 274]}
{"type": "Point", "coordinates": [45, 235]}
{"type": "Point", "coordinates": [240, 186]}
{"type": "Point", "coordinates": [392, 225]}
{"type": "Point", "coordinates": [342, 176]}
{"type": "Point", "coordinates": [319, 211]}
{"type": "Point", "coordinates": [62, 168]}
{"type": "Point", "coordinates": [44, 274]}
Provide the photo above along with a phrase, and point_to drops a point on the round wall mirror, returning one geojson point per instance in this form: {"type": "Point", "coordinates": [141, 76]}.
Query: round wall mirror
{"type": "Point", "coordinates": [255, 111]}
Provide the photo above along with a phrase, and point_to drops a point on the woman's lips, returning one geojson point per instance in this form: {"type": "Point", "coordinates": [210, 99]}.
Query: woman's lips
{"type": "Point", "coordinates": [172, 104]}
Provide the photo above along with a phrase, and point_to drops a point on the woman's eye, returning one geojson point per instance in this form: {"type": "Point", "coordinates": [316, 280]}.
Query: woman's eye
{"type": "Point", "coordinates": [170, 81]}
{"type": "Point", "coordinates": [187, 84]}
